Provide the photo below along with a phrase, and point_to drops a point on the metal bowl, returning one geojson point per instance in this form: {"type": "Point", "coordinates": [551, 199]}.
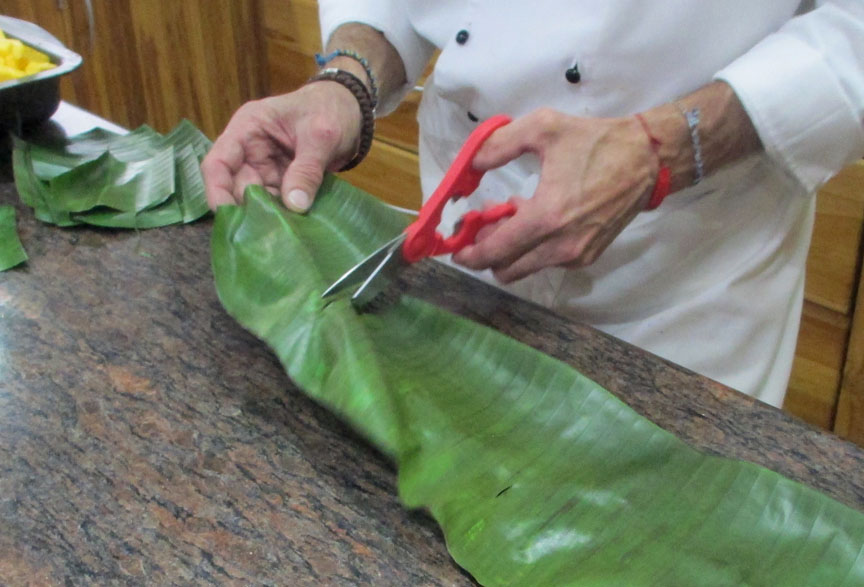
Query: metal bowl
{"type": "Point", "coordinates": [31, 100]}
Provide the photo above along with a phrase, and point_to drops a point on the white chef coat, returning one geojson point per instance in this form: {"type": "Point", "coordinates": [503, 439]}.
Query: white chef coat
{"type": "Point", "coordinates": [713, 279]}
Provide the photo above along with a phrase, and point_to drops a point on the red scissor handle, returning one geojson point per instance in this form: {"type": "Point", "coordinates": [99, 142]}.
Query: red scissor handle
{"type": "Point", "coordinates": [461, 180]}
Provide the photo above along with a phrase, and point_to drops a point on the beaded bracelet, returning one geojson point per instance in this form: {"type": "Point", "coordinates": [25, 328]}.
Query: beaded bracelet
{"type": "Point", "coordinates": [358, 88]}
{"type": "Point", "coordinates": [323, 60]}
{"type": "Point", "coordinates": [664, 176]}
{"type": "Point", "coordinates": [693, 117]}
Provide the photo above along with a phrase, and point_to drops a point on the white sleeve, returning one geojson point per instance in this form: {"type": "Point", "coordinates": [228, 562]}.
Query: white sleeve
{"type": "Point", "coordinates": [391, 18]}
{"type": "Point", "coordinates": [803, 88]}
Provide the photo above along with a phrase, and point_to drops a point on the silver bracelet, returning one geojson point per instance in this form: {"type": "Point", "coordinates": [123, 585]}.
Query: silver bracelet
{"type": "Point", "coordinates": [693, 116]}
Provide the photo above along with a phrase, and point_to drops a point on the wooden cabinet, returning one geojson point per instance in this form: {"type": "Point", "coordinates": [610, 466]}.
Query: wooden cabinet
{"type": "Point", "coordinates": [827, 383]}
{"type": "Point", "coordinates": [155, 62]}
{"type": "Point", "coordinates": [849, 422]}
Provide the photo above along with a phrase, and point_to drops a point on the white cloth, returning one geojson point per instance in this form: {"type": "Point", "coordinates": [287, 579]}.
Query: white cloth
{"type": "Point", "coordinates": [713, 279]}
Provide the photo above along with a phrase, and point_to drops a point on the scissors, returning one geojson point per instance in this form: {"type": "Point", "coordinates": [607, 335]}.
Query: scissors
{"type": "Point", "coordinates": [421, 239]}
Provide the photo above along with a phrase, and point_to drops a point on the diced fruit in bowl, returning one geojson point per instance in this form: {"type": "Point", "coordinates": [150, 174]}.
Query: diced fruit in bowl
{"type": "Point", "coordinates": [18, 60]}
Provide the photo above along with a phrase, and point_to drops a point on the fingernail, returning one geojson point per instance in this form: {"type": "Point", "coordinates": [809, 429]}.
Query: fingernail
{"type": "Point", "coordinates": [298, 200]}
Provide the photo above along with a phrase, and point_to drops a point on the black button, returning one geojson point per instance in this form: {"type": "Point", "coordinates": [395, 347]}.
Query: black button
{"type": "Point", "coordinates": [462, 37]}
{"type": "Point", "coordinates": [573, 76]}
{"type": "Point", "coordinates": [472, 118]}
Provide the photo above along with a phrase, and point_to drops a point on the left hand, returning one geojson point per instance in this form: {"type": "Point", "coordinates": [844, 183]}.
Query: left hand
{"type": "Point", "coordinates": [596, 175]}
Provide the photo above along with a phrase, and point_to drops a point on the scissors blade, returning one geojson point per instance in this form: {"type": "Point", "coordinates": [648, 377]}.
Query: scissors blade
{"type": "Point", "coordinates": [381, 277]}
{"type": "Point", "coordinates": [361, 272]}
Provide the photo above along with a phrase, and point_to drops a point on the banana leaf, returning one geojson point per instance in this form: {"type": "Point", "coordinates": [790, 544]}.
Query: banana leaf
{"type": "Point", "coordinates": [53, 159]}
{"type": "Point", "coordinates": [11, 251]}
{"type": "Point", "coordinates": [169, 212]}
{"type": "Point", "coordinates": [137, 180]}
{"type": "Point", "coordinates": [536, 474]}
{"type": "Point", "coordinates": [106, 181]}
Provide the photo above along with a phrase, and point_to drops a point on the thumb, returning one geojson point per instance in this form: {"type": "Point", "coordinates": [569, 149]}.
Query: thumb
{"type": "Point", "coordinates": [303, 176]}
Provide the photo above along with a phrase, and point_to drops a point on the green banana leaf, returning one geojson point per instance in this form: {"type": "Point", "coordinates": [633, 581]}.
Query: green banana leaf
{"type": "Point", "coordinates": [11, 251]}
{"type": "Point", "coordinates": [536, 474]}
{"type": "Point", "coordinates": [137, 180]}
{"type": "Point", "coordinates": [108, 182]}
{"type": "Point", "coordinates": [169, 212]}
{"type": "Point", "coordinates": [51, 160]}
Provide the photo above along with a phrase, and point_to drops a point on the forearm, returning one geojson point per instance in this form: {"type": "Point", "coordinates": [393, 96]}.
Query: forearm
{"type": "Point", "coordinates": [726, 133]}
{"type": "Point", "coordinates": [383, 59]}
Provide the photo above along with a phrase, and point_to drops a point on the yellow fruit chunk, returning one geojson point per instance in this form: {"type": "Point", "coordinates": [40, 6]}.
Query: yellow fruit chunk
{"type": "Point", "coordinates": [36, 67]}
{"type": "Point", "coordinates": [17, 60]}
{"type": "Point", "coordinates": [34, 56]}
{"type": "Point", "coordinates": [7, 73]}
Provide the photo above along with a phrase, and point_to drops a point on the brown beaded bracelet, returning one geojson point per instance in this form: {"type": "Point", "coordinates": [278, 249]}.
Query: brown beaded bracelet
{"type": "Point", "coordinates": [364, 100]}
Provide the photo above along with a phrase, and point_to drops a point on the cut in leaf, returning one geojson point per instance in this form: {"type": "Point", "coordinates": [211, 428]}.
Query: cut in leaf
{"type": "Point", "coordinates": [536, 474]}
{"type": "Point", "coordinates": [11, 251]}
{"type": "Point", "coordinates": [138, 180]}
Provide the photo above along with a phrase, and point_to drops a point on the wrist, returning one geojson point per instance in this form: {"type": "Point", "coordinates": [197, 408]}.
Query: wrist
{"type": "Point", "coordinates": [723, 135]}
{"type": "Point", "coordinates": [355, 64]}
{"type": "Point", "coordinates": [363, 101]}
{"type": "Point", "coordinates": [350, 65]}
{"type": "Point", "coordinates": [384, 61]}
{"type": "Point", "coordinates": [675, 150]}
{"type": "Point", "coordinates": [662, 181]}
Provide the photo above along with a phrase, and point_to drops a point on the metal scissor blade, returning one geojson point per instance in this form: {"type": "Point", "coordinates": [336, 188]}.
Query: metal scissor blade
{"type": "Point", "coordinates": [380, 278]}
{"type": "Point", "coordinates": [361, 272]}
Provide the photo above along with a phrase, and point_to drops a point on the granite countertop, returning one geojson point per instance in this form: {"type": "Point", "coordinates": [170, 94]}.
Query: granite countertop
{"type": "Point", "coordinates": [146, 438]}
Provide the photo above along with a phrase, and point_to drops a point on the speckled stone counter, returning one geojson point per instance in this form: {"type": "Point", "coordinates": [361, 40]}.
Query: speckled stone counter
{"type": "Point", "coordinates": [146, 438]}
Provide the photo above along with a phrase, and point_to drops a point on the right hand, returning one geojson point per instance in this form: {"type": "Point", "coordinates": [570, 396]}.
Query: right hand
{"type": "Point", "coordinates": [284, 143]}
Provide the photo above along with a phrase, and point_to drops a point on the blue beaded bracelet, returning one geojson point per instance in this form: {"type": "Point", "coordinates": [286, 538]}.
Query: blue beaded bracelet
{"type": "Point", "coordinates": [323, 60]}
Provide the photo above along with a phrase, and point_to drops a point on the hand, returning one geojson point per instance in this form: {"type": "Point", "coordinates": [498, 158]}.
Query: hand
{"type": "Point", "coordinates": [284, 143]}
{"type": "Point", "coordinates": [596, 175]}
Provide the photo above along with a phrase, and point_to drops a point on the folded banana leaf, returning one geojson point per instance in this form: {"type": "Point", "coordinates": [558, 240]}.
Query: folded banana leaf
{"type": "Point", "coordinates": [137, 180]}
{"type": "Point", "coordinates": [11, 251]}
{"type": "Point", "coordinates": [536, 474]}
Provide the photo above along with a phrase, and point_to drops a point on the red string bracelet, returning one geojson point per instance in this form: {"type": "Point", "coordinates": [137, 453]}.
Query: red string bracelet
{"type": "Point", "coordinates": [664, 176]}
